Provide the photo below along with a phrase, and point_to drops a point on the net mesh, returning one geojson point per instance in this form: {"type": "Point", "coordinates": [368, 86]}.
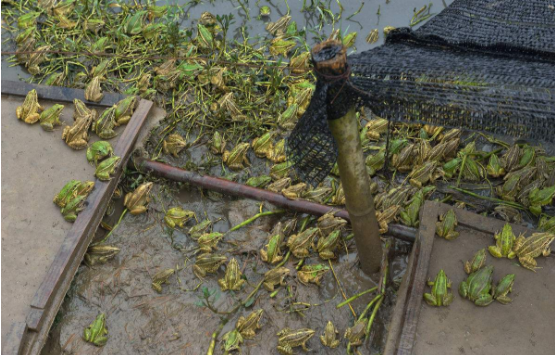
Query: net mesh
{"type": "Point", "coordinates": [481, 65]}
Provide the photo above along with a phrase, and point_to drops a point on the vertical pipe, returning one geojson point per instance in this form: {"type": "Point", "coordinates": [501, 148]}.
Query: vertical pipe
{"type": "Point", "coordinates": [356, 185]}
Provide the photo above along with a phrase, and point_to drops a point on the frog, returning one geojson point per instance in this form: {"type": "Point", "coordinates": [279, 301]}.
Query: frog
{"type": "Point", "coordinates": [338, 195]}
{"type": "Point", "coordinates": [66, 192]}
{"type": "Point", "coordinates": [50, 118]}
{"type": "Point", "coordinates": [277, 154]}
{"type": "Point", "coordinates": [281, 46]}
{"type": "Point", "coordinates": [199, 229]}
{"type": "Point", "coordinates": [174, 144]}
{"type": "Point", "coordinates": [93, 91]}
{"type": "Point", "coordinates": [104, 126]}
{"type": "Point", "coordinates": [293, 192]}
{"type": "Point", "coordinates": [386, 216]}
{"type": "Point", "coordinates": [477, 287]}
{"type": "Point", "coordinates": [237, 157]}
{"type": "Point", "coordinates": [404, 161]}
{"type": "Point", "coordinates": [264, 12]}
{"type": "Point", "coordinates": [209, 241]}
{"type": "Point", "coordinates": [279, 185]}
{"type": "Point", "coordinates": [357, 332]}
{"type": "Point", "coordinates": [504, 286]}
{"type": "Point", "coordinates": [508, 213]}
{"type": "Point", "coordinates": [289, 339]}
{"type": "Point", "coordinates": [410, 216]}
{"type": "Point", "coordinates": [318, 194]}
{"type": "Point", "coordinates": [275, 277]}
{"type": "Point", "coordinates": [509, 189]}
{"type": "Point", "coordinates": [73, 207]}
{"type": "Point", "coordinates": [445, 228]}
{"type": "Point", "coordinates": [495, 168]}
{"type": "Point", "coordinates": [205, 39]}
{"type": "Point", "coordinates": [233, 277]}
{"type": "Point", "coordinates": [77, 136]}
{"type": "Point", "coordinates": [451, 134]}
{"type": "Point", "coordinates": [278, 28]}
{"type": "Point", "coordinates": [217, 144]}
{"type": "Point", "coordinates": [373, 36]}
{"type": "Point", "coordinates": [375, 128]}
{"type": "Point", "coordinates": [437, 152]}
{"type": "Point", "coordinates": [27, 20]}
{"type": "Point", "coordinates": [280, 171]}
{"type": "Point", "coordinates": [177, 217]}
{"type": "Point", "coordinates": [273, 249]}
{"type": "Point", "coordinates": [106, 168]}
{"type": "Point", "coordinates": [375, 162]}
{"type": "Point", "coordinates": [263, 145]}
{"type": "Point", "coordinates": [231, 341]}
{"type": "Point", "coordinates": [547, 224]}
{"type": "Point", "coordinates": [28, 112]}
{"type": "Point", "coordinates": [503, 247]}
{"type": "Point", "coordinates": [472, 170]}
{"type": "Point", "coordinates": [527, 156]}
{"type": "Point", "coordinates": [99, 150]}
{"type": "Point", "coordinates": [248, 326]}
{"type": "Point", "coordinates": [328, 339]}
{"type": "Point", "coordinates": [36, 58]}
{"type": "Point", "coordinates": [526, 249]}
{"type": "Point", "coordinates": [299, 244]}
{"type": "Point", "coordinates": [208, 264]}
{"type": "Point", "coordinates": [312, 273]}
{"type": "Point", "coordinates": [540, 197]}
{"type": "Point", "coordinates": [511, 158]}
{"type": "Point", "coordinates": [137, 201]}
{"type": "Point", "coordinates": [326, 246]}
{"type": "Point", "coordinates": [124, 109]}
{"type": "Point", "coordinates": [422, 174]}
{"type": "Point", "coordinates": [440, 296]}
{"type": "Point", "coordinates": [161, 277]}
{"type": "Point", "coordinates": [97, 333]}
{"type": "Point", "coordinates": [288, 118]}
{"type": "Point", "coordinates": [300, 63]}
{"type": "Point", "coordinates": [82, 189]}
{"type": "Point", "coordinates": [422, 152]}
{"type": "Point", "coordinates": [99, 254]}
{"type": "Point", "coordinates": [258, 181]}
{"type": "Point", "coordinates": [477, 262]}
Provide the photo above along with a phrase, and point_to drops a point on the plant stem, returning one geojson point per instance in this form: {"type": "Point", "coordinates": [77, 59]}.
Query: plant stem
{"type": "Point", "coordinates": [349, 300]}
{"type": "Point", "coordinates": [254, 218]}
{"type": "Point", "coordinates": [374, 300]}
{"type": "Point", "coordinates": [341, 288]}
{"type": "Point", "coordinates": [372, 317]}
{"type": "Point", "coordinates": [492, 199]}
{"type": "Point", "coordinates": [113, 229]}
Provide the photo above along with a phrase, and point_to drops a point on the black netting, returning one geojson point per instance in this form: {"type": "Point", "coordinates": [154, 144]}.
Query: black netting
{"type": "Point", "coordinates": [483, 65]}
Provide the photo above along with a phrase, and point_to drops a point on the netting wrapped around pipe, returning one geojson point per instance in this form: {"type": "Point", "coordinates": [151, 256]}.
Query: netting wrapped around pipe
{"type": "Point", "coordinates": [481, 65]}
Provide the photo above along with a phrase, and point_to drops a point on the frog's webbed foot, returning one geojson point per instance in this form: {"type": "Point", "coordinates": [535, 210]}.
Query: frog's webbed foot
{"type": "Point", "coordinates": [123, 120]}
{"type": "Point", "coordinates": [448, 299]}
{"type": "Point", "coordinates": [222, 284]}
{"type": "Point", "coordinates": [452, 235]}
{"type": "Point", "coordinates": [528, 262]}
{"type": "Point", "coordinates": [31, 119]}
{"type": "Point", "coordinates": [268, 286]}
{"type": "Point", "coordinates": [285, 349]}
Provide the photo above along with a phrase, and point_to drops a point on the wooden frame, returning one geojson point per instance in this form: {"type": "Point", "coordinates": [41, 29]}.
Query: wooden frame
{"type": "Point", "coordinates": [30, 337]}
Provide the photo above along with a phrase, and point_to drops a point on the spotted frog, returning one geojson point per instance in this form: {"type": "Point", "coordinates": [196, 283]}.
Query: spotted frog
{"type": "Point", "coordinates": [233, 277]}
{"type": "Point", "coordinates": [275, 277]}
{"type": "Point", "coordinates": [208, 264]}
{"type": "Point", "coordinates": [312, 273]}
{"type": "Point", "coordinates": [138, 200]}
{"type": "Point", "coordinates": [329, 337]}
{"type": "Point", "coordinates": [299, 244]}
{"type": "Point", "coordinates": [503, 247]}
{"type": "Point", "coordinates": [248, 326]}
{"type": "Point", "coordinates": [177, 216]}
{"type": "Point", "coordinates": [326, 246]}
{"type": "Point", "coordinates": [160, 278]}
{"type": "Point", "coordinates": [50, 118]}
{"type": "Point", "coordinates": [529, 248]}
{"type": "Point", "coordinates": [237, 157]}
{"type": "Point", "coordinates": [477, 262]}
{"type": "Point", "coordinates": [174, 144]}
{"type": "Point", "coordinates": [289, 339]}
{"type": "Point", "coordinates": [29, 111]}
{"type": "Point", "coordinates": [503, 288]}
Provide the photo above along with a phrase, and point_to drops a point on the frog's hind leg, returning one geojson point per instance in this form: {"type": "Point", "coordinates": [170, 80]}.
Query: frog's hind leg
{"type": "Point", "coordinates": [495, 251]}
{"type": "Point", "coordinates": [503, 299]}
{"type": "Point", "coordinates": [430, 299]}
{"type": "Point", "coordinates": [484, 300]}
{"type": "Point", "coordinates": [528, 262]}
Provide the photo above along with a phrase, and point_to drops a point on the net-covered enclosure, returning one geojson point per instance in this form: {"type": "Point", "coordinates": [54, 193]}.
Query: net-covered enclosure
{"type": "Point", "coordinates": [483, 65]}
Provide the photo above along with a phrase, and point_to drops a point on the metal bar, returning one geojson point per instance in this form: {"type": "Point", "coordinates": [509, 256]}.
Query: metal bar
{"type": "Point", "coordinates": [56, 93]}
{"type": "Point", "coordinates": [228, 187]}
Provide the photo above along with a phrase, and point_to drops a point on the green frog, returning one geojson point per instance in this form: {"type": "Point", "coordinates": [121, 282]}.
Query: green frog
{"type": "Point", "coordinates": [278, 28]}
{"type": "Point", "coordinates": [177, 216]}
{"type": "Point", "coordinates": [477, 262]}
{"type": "Point", "coordinates": [99, 254]}
{"type": "Point", "coordinates": [445, 228]}
{"type": "Point", "coordinates": [288, 118]}
{"type": "Point", "coordinates": [312, 273]}
{"type": "Point", "coordinates": [66, 193]}
{"type": "Point", "coordinates": [318, 194]}
{"type": "Point", "coordinates": [231, 341]}
{"type": "Point", "coordinates": [357, 332]}
{"type": "Point", "coordinates": [279, 185]}
{"type": "Point", "coordinates": [77, 136]}
{"type": "Point", "coordinates": [540, 197]}
{"type": "Point", "coordinates": [289, 339]}
{"type": "Point", "coordinates": [326, 246]}
{"type": "Point", "coordinates": [529, 248]}
{"type": "Point", "coordinates": [281, 46]}
{"type": "Point", "coordinates": [410, 216]}
{"type": "Point", "coordinates": [472, 170]}
{"type": "Point", "coordinates": [329, 337]}
{"type": "Point", "coordinates": [527, 156]}
{"type": "Point", "coordinates": [328, 222]}
{"type": "Point", "coordinates": [258, 181]}
{"type": "Point", "coordinates": [233, 277]}
{"type": "Point", "coordinates": [73, 207]}
{"type": "Point", "coordinates": [237, 157]}
{"type": "Point", "coordinates": [217, 144]}
{"type": "Point", "coordinates": [503, 247]}
{"type": "Point", "coordinates": [199, 229]}
{"type": "Point", "coordinates": [509, 189]}
{"type": "Point", "coordinates": [29, 111]}
{"type": "Point", "coordinates": [277, 154]}
{"type": "Point", "coordinates": [503, 288]}
{"type": "Point", "coordinates": [174, 144]}
{"type": "Point", "coordinates": [98, 151]}
{"type": "Point", "coordinates": [96, 333]}
{"type": "Point", "coordinates": [106, 168]}
{"type": "Point", "coordinates": [375, 162]}
{"type": "Point", "coordinates": [524, 194]}
{"type": "Point", "coordinates": [477, 287]}
{"type": "Point", "coordinates": [124, 109]}
{"type": "Point", "coordinates": [495, 167]}
{"type": "Point", "coordinates": [93, 91]}
{"type": "Point", "coordinates": [137, 201]}
{"type": "Point", "coordinates": [440, 295]}
{"type": "Point", "coordinates": [104, 126]}
{"type": "Point", "coordinates": [547, 224]}
{"type": "Point", "coordinates": [451, 167]}
{"type": "Point", "coordinates": [275, 277]}
{"type": "Point", "coordinates": [209, 241]}
{"type": "Point", "coordinates": [272, 254]}
{"type": "Point", "coordinates": [263, 145]}
{"type": "Point", "coordinates": [293, 192]}
{"type": "Point", "coordinates": [248, 326]}
{"type": "Point", "coordinates": [208, 264]}
{"type": "Point", "coordinates": [299, 244]}
{"type": "Point", "coordinates": [280, 171]}
{"type": "Point", "coordinates": [161, 277]}
{"type": "Point", "coordinates": [51, 117]}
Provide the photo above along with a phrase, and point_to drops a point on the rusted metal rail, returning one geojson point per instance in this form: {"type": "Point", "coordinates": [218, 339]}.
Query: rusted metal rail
{"type": "Point", "coordinates": [228, 187]}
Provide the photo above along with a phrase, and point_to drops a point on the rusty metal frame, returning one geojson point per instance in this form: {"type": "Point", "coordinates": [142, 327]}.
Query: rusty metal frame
{"type": "Point", "coordinates": [30, 336]}
{"type": "Point", "coordinates": [402, 328]}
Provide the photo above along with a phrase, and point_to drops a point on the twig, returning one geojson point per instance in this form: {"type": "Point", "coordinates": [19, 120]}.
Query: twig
{"type": "Point", "coordinates": [341, 288]}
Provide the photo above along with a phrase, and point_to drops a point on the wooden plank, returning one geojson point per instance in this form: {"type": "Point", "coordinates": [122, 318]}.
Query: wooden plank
{"type": "Point", "coordinates": [13, 344]}
{"type": "Point", "coordinates": [56, 93]}
{"type": "Point", "coordinates": [33, 318]}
